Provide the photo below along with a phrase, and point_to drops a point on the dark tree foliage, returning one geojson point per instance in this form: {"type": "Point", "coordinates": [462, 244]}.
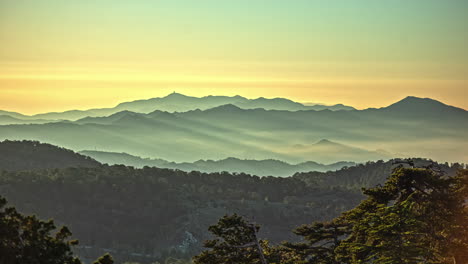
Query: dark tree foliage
{"type": "Point", "coordinates": [236, 242]}
{"type": "Point", "coordinates": [418, 216]}
{"type": "Point", "coordinates": [105, 259]}
{"type": "Point", "coordinates": [152, 208]}
{"type": "Point", "coordinates": [29, 240]}
{"type": "Point", "coordinates": [322, 238]}
{"type": "Point", "coordinates": [26, 239]}
{"type": "Point", "coordinates": [368, 174]}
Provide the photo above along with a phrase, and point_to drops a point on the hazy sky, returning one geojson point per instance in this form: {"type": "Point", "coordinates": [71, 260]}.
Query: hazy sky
{"type": "Point", "coordinates": [57, 55]}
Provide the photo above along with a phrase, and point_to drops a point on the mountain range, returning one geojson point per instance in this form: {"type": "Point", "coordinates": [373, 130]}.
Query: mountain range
{"type": "Point", "coordinates": [232, 165]}
{"type": "Point", "coordinates": [174, 102]}
{"type": "Point", "coordinates": [411, 127]}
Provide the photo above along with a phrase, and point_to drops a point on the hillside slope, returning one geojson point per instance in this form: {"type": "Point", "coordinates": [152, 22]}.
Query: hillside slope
{"type": "Point", "coordinates": [27, 155]}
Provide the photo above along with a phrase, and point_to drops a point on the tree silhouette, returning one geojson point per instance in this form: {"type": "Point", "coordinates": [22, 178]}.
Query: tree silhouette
{"type": "Point", "coordinates": [29, 240]}
{"type": "Point", "coordinates": [26, 239]}
{"type": "Point", "coordinates": [321, 241]}
{"type": "Point", "coordinates": [236, 242]}
{"type": "Point", "coordinates": [418, 216]}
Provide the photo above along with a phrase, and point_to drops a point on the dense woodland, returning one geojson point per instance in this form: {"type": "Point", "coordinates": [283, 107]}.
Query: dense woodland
{"type": "Point", "coordinates": [153, 214]}
{"type": "Point", "coordinates": [162, 211]}
{"type": "Point", "coordinates": [369, 174]}
{"type": "Point", "coordinates": [418, 216]}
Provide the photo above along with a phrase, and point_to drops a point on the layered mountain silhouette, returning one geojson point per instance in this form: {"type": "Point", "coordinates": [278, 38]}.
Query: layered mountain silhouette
{"type": "Point", "coordinates": [233, 165]}
{"type": "Point", "coordinates": [176, 102]}
{"type": "Point", "coordinates": [412, 127]}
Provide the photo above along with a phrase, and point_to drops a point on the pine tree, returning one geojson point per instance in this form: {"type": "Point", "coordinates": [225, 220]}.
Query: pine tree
{"type": "Point", "coordinates": [26, 239]}
{"type": "Point", "coordinates": [416, 217]}
{"type": "Point", "coordinates": [29, 240]}
{"type": "Point", "coordinates": [236, 243]}
{"type": "Point", "coordinates": [321, 241]}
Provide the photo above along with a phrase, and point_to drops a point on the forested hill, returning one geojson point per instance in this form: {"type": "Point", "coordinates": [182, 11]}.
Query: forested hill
{"type": "Point", "coordinates": [369, 174]}
{"type": "Point", "coordinates": [161, 211]}
{"type": "Point", "coordinates": [27, 155]}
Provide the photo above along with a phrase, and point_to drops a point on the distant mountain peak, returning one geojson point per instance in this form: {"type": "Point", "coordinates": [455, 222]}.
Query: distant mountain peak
{"type": "Point", "coordinates": [413, 99]}
{"type": "Point", "coordinates": [418, 104]}
{"type": "Point", "coordinates": [325, 142]}
{"type": "Point", "coordinates": [175, 95]}
{"type": "Point", "coordinates": [226, 107]}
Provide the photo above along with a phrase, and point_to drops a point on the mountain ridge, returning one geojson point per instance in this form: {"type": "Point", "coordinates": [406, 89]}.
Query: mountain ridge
{"type": "Point", "coordinates": [274, 167]}
{"type": "Point", "coordinates": [260, 134]}
{"type": "Point", "coordinates": [176, 102]}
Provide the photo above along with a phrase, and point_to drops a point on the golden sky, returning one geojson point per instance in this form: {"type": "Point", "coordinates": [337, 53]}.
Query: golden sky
{"type": "Point", "coordinates": [59, 55]}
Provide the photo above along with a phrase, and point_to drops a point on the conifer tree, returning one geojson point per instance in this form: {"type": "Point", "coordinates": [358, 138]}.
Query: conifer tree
{"type": "Point", "coordinates": [236, 243]}
{"type": "Point", "coordinates": [26, 239]}
{"type": "Point", "coordinates": [321, 240]}
{"type": "Point", "coordinates": [29, 240]}
{"type": "Point", "coordinates": [416, 217]}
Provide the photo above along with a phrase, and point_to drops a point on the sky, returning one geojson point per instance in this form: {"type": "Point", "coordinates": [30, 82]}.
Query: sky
{"type": "Point", "coordinates": [58, 55]}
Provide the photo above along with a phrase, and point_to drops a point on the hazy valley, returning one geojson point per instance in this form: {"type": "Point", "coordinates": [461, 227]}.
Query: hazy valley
{"type": "Point", "coordinates": [411, 127]}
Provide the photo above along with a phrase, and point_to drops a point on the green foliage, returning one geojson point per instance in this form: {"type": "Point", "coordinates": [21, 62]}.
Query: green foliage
{"type": "Point", "coordinates": [26, 239]}
{"type": "Point", "coordinates": [367, 174]}
{"type": "Point", "coordinates": [413, 218]}
{"type": "Point", "coordinates": [105, 259]}
{"type": "Point", "coordinates": [236, 242]}
{"type": "Point", "coordinates": [321, 241]}
{"type": "Point", "coordinates": [417, 216]}
{"type": "Point", "coordinates": [153, 208]}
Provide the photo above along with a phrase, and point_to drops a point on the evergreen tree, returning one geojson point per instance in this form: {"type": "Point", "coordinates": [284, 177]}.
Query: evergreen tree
{"type": "Point", "coordinates": [236, 243]}
{"type": "Point", "coordinates": [321, 241]}
{"type": "Point", "coordinates": [418, 216]}
{"type": "Point", "coordinates": [26, 239]}
{"type": "Point", "coordinates": [29, 240]}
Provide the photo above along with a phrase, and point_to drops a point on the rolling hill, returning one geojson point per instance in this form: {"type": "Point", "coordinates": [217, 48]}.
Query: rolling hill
{"type": "Point", "coordinates": [28, 155]}
{"type": "Point", "coordinates": [232, 165]}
